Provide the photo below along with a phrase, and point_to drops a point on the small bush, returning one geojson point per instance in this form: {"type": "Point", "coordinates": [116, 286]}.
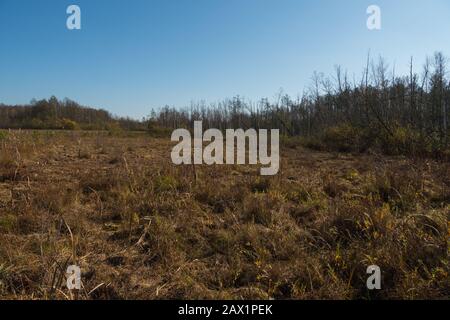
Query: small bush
{"type": "Point", "coordinates": [401, 140]}
{"type": "Point", "coordinates": [68, 124]}
{"type": "Point", "coordinates": [7, 222]}
{"type": "Point", "coordinates": [159, 132]}
{"type": "Point", "coordinates": [165, 184]}
{"type": "Point", "coordinates": [401, 189]}
{"type": "Point", "coordinates": [342, 138]}
{"type": "Point", "coordinates": [114, 128]}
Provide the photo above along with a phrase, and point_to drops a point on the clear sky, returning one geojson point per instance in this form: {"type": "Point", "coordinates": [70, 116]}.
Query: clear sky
{"type": "Point", "coordinates": [134, 55]}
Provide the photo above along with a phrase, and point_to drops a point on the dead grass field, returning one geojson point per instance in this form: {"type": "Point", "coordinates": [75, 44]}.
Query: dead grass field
{"type": "Point", "coordinates": [141, 228]}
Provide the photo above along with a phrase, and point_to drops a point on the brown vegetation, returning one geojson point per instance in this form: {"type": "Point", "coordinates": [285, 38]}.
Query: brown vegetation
{"type": "Point", "coordinates": [142, 228]}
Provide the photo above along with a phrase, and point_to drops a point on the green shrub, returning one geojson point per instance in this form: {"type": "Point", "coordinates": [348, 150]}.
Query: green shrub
{"type": "Point", "coordinates": [114, 128]}
{"type": "Point", "coordinates": [68, 124]}
{"type": "Point", "coordinates": [8, 222]}
{"type": "Point", "coordinates": [165, 184]}
{"type": "Point", "coordinates": [399, 141]}
{"type": "Point", "coordinates": [342, 138]}
{"type": "Point", "coordinates": [3, 135]}
{"type": "Point", "coordinates": [159, 132]}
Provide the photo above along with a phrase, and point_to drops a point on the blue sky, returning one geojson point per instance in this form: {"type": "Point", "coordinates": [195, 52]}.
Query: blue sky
{"type": "Point", "coordinates": [132, 56]}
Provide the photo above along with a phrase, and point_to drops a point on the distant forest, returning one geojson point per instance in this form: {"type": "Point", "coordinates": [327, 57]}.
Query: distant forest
{"type": "Point", "coordinates": [65, 114]}
{"type": "Point", "coordinates": [380, 110]}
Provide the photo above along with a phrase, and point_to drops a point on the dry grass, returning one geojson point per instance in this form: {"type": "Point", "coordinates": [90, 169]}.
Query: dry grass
{"type": "Point", "coordinates": [142, 228]}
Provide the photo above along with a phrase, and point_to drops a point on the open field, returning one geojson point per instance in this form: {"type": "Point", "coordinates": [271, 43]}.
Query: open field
{"type": "Point", "coordinates": [142, 228]}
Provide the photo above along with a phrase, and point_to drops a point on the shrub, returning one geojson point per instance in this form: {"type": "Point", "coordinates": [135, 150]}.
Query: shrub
{"type": "Point", "coordinates": [343, 138]}
{"type": "Point", "coordinates": [159, 132]}
{"type": "Point", "coordinates": [165, 184]}
{"type": "Point", "coordinates": [400, 188]}
{"type": "Point", "coordinates": [113, 128]}
{"type": "Point", "coordinates": [68, 124]}
{"type": "Point", "coordinates": [3, 135]}
{"type": "Point", "coordinates": [7, 222]}
{"type": "Point", "coordinates": [401, 140]}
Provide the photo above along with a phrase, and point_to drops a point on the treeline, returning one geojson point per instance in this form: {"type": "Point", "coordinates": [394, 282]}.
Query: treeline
{"type": "Point", "coordinates": [62, 114]}
{"type": "Point", "coordinates": [398, 114]}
